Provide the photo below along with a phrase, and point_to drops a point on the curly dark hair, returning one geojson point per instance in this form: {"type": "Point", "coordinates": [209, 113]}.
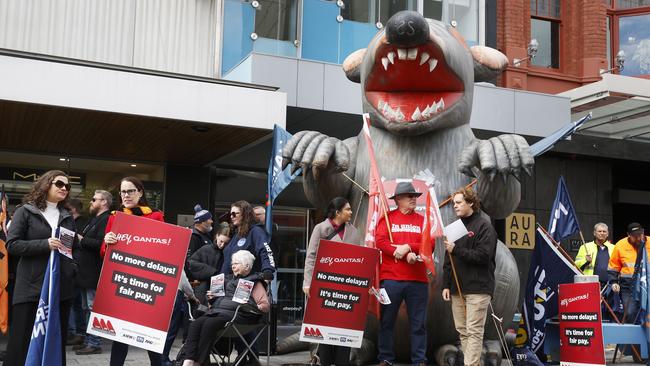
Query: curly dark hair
{"type": "Point", "coordinates": [470, 196]}
{"type": "Point", "coordinates": [247, 218]}
{"type": "Point", "coordinates": [38, 195]}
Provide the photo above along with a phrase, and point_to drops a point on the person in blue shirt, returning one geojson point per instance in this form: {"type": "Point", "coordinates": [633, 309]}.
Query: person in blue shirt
{"type": "Point", "coordinates": [251, 237]}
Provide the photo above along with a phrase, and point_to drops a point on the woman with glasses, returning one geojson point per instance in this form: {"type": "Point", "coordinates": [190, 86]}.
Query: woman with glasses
{"type": "Point", "coordinates": [336, 227]}
{"type": "Point", "coordinates": [251, 303]}
{"type": "Point", "coordinates": [134, 202]}
{"type": "Point", "coordinates": [32, 237]}
{"type": "Point", "coordinates": [249, 236]}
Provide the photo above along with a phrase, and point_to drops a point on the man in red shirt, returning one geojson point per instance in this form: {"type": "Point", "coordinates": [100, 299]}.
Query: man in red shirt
{"type": "Point", "coordinates": [402, 276]}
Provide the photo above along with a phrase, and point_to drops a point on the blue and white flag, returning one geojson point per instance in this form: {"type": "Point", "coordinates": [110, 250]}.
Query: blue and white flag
{"type": "Point", "coordinates": [548, 269]}
{"type": "Point", "coordinates": [641, 291]}
{"type": "Point", "coordinates": [548, 142]}
{"type": "Point", "coordinates": [277, 179]}
{"type": "Point", "coordinates": [45, 344]}
{"type": "Point", "coordinates": [563, 222]}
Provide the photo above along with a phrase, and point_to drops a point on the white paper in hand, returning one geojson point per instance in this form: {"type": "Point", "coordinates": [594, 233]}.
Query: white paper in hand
{"type": "Point", "coordinates": [455, 230]}
{"type": "Point", "coordinates": [67, 239]}
{"type": "Point", "coordinates": [243, 291]}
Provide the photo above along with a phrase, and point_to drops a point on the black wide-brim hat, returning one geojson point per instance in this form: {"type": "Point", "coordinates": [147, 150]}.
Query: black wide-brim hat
{"type": "Point", "coordinates": [405, 188]}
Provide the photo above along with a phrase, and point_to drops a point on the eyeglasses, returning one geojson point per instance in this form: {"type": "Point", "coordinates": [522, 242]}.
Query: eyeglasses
{"type": "Point", "coordinates": [60, 184]}
{"type": "Point", "coordinates": [234, 214]}
{"type": "Point", "coordinates": [128, 192]}
{"type": "Point", "coordinates": [95, 199]}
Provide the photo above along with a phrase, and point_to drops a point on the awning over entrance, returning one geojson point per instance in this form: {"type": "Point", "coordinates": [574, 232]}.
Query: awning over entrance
{"type": "Point", "coordinates": [620, 107]}
{"type": "Point", "coordinates": [70, 108]}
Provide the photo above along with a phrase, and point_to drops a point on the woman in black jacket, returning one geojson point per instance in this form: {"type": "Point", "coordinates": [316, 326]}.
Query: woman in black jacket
{"type": "Point", "coordinates": [31, 238]}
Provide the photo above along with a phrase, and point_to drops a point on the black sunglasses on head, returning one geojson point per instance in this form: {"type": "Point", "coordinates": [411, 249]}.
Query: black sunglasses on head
{"type": "Point", "coordinates": [60, 184]}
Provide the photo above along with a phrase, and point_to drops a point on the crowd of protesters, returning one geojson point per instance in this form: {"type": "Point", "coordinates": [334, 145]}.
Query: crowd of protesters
{"type": "Point", "coordinates": [239, 248]}
{"type": "Point", "coordinates": [31, 234]}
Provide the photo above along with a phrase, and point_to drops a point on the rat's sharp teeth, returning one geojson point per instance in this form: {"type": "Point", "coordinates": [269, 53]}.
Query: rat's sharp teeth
{"type": "Point", "coordinates": [384, 62]}
{"type": "Point", "coordinates": [432, 64]}
{"type": "Point", "coordinates": [401, 53]}
{"type": "Point", "coordinates": [391, 57]}
{"type": "Point", "coordinates": [424, 57]}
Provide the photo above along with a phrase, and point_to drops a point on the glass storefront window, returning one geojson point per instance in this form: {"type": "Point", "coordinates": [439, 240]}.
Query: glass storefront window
{"type": "Point", "coordinates": [547, 33]}
{"type": "Point", "coordinates": [634, 39]}
{"type": "Point", "coordinates": [18, 171]}
{"type": "Point", "coordinates": [545, 8]}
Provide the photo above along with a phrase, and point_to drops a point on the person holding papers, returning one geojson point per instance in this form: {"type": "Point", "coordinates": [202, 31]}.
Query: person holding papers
{"type": "Point", "coordinates": [336, 227]}
{"type": "Point", "coordinates": [134, 202]}
{"type": "Point", "coordinates": [241, 288]}
{"type": "Point", "coordinates": [473, 263]}
{"type": "Point", "coordinates": [402, 275]}
{"type": "Point", "coordinates": [32, 236]}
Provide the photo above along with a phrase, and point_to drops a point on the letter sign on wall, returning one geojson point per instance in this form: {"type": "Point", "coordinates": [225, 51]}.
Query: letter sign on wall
{"type": "Point", "coordinates": [520, 231]}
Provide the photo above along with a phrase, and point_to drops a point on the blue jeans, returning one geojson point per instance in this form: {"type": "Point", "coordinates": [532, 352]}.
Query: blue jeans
{"type": "Point", "coordinates": [180, 311]}
{"type": "Point", "coordinates": [415, 294]}
{"type": "Point", "coordinates": [631, 311]}
{"type": "Point", "coordinates": [87, 301]}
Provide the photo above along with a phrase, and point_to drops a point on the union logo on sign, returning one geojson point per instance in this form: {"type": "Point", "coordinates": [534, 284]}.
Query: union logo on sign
{"type": "Point", "coordinates": [103, 326]}
{"type": "Point", "coordinates": [313, 333]}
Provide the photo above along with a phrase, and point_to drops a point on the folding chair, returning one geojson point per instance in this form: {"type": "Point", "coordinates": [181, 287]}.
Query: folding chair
{"type": "Point", "coordinates": [233, 330]}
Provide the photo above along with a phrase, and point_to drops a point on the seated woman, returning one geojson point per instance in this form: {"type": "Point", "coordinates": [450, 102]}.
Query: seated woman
{"type": "Point", "coordinates": [206, 262]}
{"type": "Point", "coordinates": [203, 331]}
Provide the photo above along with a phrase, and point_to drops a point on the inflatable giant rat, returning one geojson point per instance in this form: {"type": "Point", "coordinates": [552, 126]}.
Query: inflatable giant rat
{"type": "Point", "coordinates": [417, 78]}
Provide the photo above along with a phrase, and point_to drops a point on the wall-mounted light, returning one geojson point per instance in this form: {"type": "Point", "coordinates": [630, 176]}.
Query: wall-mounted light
{"type": "Point", "coordinates": [133, 165]}
{"type": "Point", "coordinates": [531, 51]}
{"type": "Point", "coordinates": [63, 159]}
{"type": "Point", "coordinates": [620, 63]}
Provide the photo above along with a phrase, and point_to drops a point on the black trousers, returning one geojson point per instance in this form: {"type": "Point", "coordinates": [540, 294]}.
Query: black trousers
{"type": "Point", "coordinates": [201, 337]}
{"type": "Point", "coordinates": [333, 355]}
{"type": "Point", "coordinates": [119, 351]}
{"type": "Point", "coordinates": [20, 332]}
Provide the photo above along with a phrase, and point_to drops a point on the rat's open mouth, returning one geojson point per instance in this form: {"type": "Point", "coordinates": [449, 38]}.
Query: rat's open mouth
{"type": "Point", "coordinates": [412, 84]}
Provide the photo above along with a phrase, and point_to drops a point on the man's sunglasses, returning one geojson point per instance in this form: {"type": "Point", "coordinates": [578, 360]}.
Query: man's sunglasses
{"type": "Point", "coordinates": [60, 184]}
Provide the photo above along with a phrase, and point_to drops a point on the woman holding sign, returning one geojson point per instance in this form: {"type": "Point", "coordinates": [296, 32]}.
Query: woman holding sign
{"type": "Point", "coordinates": [32, 236]}
{"type": "Point", "coordinates": [134, 202]}
{"type": "Point", "coordinates": [241, 288]}
{"type": "Point", "coordinates": [335, 228]}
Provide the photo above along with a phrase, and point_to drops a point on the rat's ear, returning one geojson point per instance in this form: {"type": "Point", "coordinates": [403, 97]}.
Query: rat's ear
{"type": "Point", "coordinates": [352, 64]}
{"type": "Point", "coordinates": [488, 63]}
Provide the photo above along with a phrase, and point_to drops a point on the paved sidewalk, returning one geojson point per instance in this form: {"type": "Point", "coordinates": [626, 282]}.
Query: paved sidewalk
{"type": "Point", "coordinates": [138, 357]}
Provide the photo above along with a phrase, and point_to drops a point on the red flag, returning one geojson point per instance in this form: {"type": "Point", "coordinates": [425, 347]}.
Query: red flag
{"type": "Point", "coordinates": [377, 206]}
{"type": "Point", "coordinates": [432, 229]}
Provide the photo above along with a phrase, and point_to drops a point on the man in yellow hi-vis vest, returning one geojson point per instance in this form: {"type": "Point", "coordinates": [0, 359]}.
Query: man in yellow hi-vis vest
{"type": "Point", "coordinates": [593, 257]}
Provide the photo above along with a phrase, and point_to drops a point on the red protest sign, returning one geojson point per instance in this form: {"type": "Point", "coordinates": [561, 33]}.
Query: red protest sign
{"type": "Point", "coordinates": [581, 331]}
{"type": "Point", "coordinates": [138, 283]}
{"type": "Point", "coordinates": [338, 297]}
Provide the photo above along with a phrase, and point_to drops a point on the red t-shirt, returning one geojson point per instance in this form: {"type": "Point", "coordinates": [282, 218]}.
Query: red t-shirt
{"type": "Point", "coordinates": [406, 229]}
